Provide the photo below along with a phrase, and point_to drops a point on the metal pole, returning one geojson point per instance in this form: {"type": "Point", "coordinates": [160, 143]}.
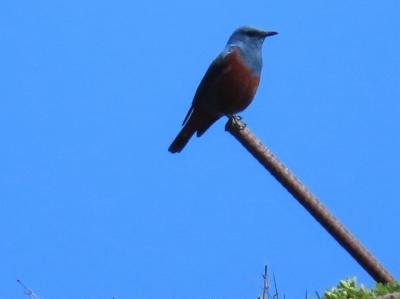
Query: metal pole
{"type": "Point", "coordinates": [308, 200]}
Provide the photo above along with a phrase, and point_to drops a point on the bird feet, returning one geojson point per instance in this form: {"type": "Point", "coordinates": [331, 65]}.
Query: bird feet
{"type": "Point", "coordinates": [236, 121]}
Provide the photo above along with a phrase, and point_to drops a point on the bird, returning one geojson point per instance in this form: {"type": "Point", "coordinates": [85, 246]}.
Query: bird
{"type": "Point", "coordinates": [228, 86]}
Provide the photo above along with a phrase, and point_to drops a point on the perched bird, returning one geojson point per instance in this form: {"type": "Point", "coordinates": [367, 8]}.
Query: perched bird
{"type": "Point", "coordinates": [228, 86]}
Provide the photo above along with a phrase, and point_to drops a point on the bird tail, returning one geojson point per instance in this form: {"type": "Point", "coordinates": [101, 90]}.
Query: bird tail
{"type": "Point", "coordinates": [196, 121]}
{"type": "Point", "coordinates": [182, 139]}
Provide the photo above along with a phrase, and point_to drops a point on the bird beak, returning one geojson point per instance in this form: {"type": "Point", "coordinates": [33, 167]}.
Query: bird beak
{"type": "Point", "coordinates": [269, 33]}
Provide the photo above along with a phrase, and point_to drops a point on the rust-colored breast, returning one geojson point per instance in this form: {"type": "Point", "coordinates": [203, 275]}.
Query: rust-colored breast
{"type": "Point", "coordinates": [237, 85]}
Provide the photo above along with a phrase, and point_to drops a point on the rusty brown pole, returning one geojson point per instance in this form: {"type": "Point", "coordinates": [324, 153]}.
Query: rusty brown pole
{"type": "Point", "coordinates": [308, 201]}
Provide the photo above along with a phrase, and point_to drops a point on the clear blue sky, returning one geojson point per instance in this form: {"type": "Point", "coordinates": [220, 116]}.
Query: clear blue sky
{"type": "Point", "coordinates": [93, 92]}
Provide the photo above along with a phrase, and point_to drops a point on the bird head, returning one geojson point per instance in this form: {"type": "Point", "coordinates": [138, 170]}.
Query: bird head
{"type": "Point", "coordinates": [249, 36]}
{"type": "Point", "coordinates": [249, 40]}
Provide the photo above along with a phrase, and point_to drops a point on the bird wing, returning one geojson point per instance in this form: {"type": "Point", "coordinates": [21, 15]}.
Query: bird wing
{"type": "Point", "coordinates": [210, 79]}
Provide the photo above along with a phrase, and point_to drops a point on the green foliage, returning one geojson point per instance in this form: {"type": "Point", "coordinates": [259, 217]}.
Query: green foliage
{"type": "Point", "coordinates": [348, 289]}
{"type": "Point", "coordinates": [383, 289]}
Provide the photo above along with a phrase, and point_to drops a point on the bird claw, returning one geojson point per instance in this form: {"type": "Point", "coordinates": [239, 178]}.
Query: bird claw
{"type": "Point", "coordinates": [236, 121]}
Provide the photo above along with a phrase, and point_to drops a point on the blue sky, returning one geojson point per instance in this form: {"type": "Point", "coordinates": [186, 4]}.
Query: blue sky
{"type": "Point", "coordinates": [93, 92]}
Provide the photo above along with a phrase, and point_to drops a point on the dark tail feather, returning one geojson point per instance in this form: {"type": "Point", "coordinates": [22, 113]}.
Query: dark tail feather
{"type": "Point", "coordinates": [196, 120]}
{"type": "Point", "coordinates": [182, 139]}
{"type": "Point", "coordinates": [204, 127]}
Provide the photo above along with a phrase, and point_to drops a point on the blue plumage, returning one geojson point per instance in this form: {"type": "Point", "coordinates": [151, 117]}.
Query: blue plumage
{"type": "Point", "coordinates": [228, 86]}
